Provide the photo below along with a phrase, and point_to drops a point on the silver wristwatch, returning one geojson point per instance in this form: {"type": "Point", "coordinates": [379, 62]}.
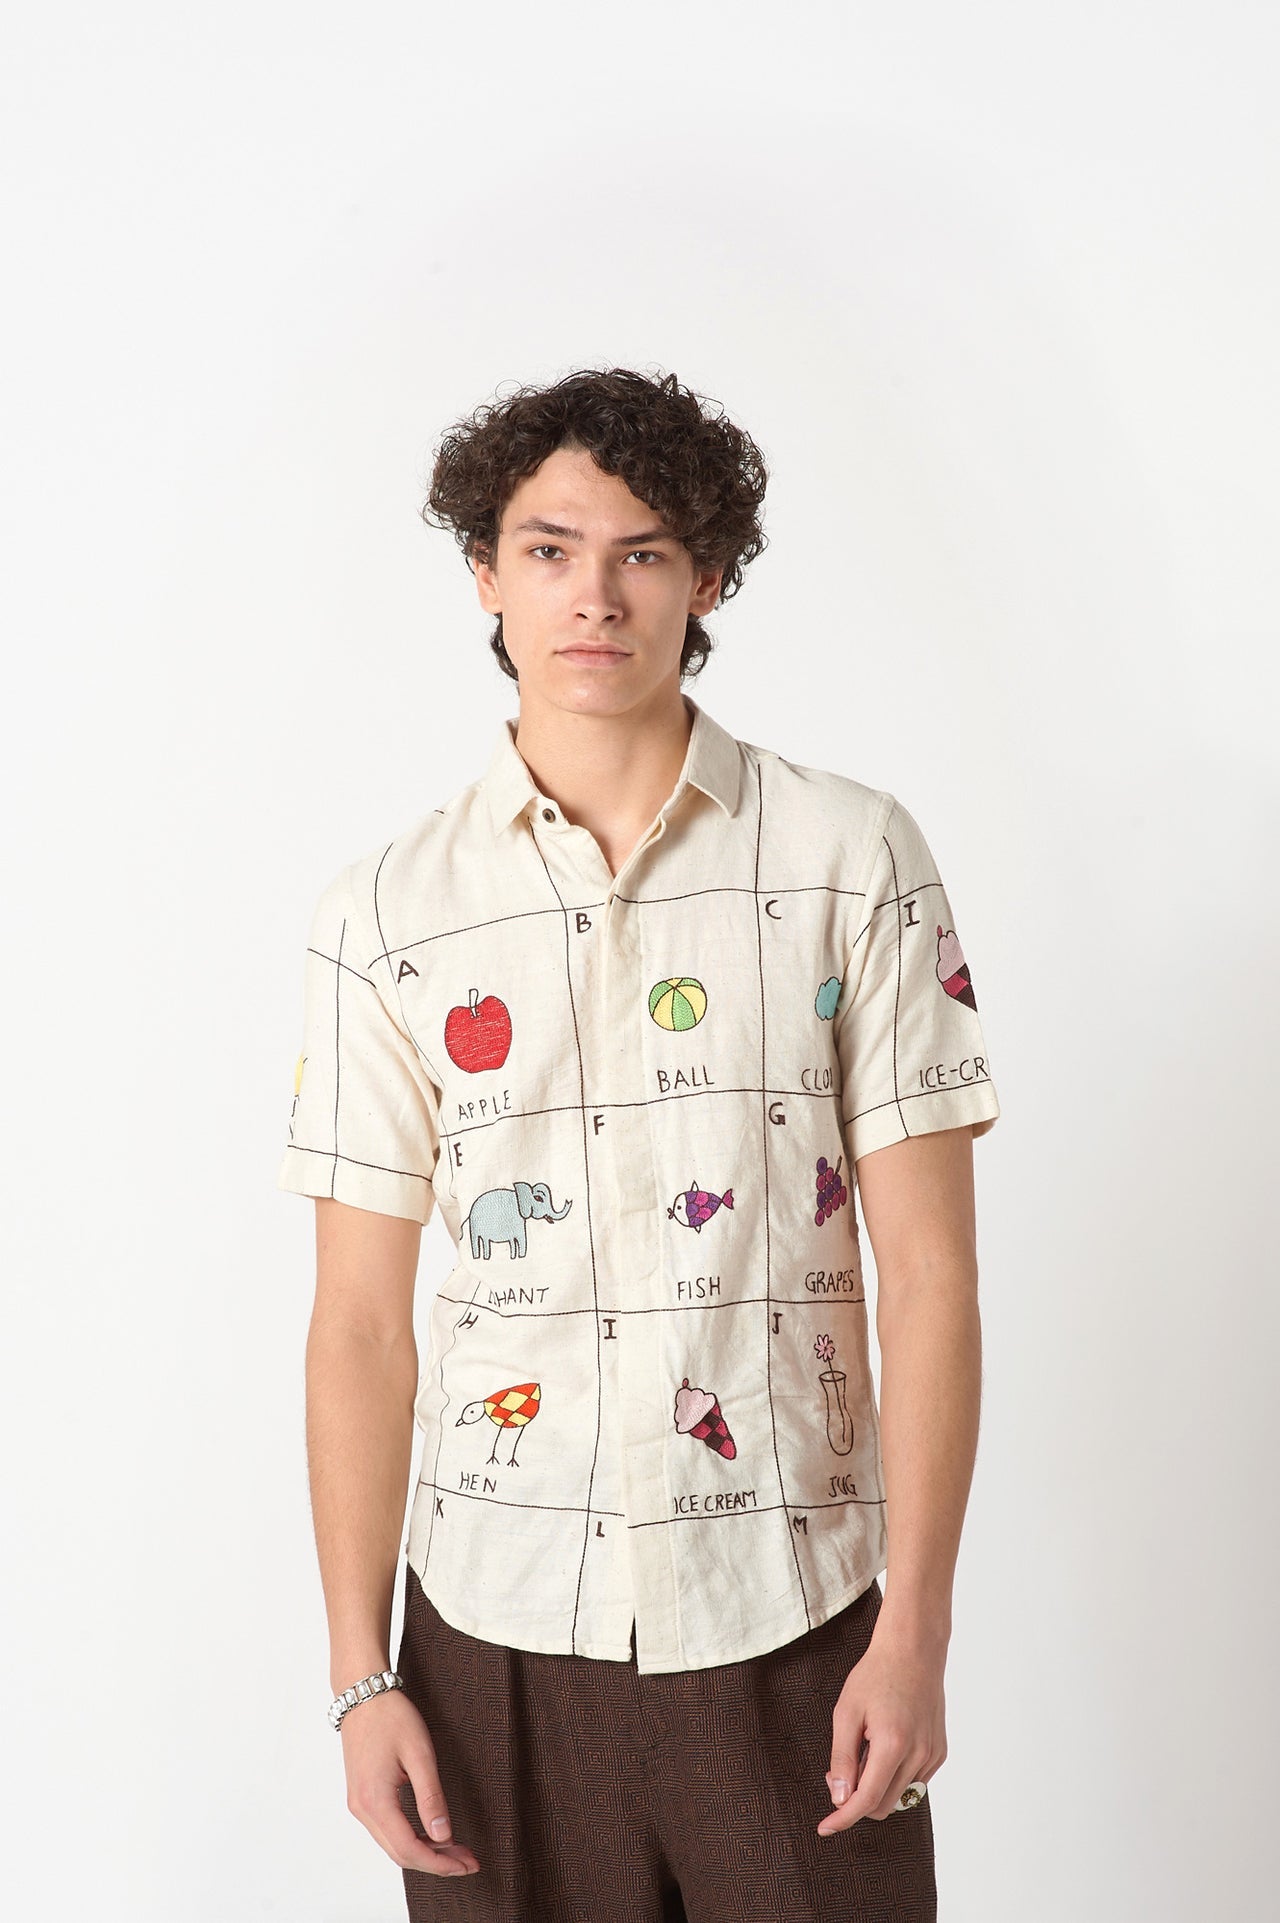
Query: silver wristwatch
{"type": "Point", "coordinates": [360, 1693]}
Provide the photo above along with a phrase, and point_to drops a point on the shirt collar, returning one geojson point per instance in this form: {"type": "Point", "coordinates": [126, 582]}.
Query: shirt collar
{"type": "Point", "coordinates": [712, 762]}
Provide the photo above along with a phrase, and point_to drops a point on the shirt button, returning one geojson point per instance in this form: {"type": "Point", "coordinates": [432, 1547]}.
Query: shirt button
{"type": "Point", "coordinates": [548, 814]}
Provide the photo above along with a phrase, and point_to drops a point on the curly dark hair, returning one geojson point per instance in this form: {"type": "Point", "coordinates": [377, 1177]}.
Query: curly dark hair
{"type": "Point", "coordinates": [704, 476]}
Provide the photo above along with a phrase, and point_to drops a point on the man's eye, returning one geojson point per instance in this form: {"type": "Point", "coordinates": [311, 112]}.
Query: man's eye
{"type": "Point", "coordinates": [549, 547]}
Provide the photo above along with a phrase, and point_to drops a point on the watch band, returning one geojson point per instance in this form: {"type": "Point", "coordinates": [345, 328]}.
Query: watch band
{"type": "Point", "coordinates": [361, 1692]}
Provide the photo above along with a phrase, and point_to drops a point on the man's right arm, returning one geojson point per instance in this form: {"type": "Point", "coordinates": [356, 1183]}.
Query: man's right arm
{"type": "Point", "coordinates": [362, 1381]}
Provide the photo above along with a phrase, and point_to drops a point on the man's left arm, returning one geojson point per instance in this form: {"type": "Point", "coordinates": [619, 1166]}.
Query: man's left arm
{"type": "Point", "coordinates": [918, 1206]}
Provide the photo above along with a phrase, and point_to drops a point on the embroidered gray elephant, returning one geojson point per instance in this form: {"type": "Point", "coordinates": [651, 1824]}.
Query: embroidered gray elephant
{"type": "Point", "coordinates": [501, 1215]}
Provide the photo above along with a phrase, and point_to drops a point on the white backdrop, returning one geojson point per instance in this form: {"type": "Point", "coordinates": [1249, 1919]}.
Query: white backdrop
{"type": "Point", "coordinates": [996, 289]}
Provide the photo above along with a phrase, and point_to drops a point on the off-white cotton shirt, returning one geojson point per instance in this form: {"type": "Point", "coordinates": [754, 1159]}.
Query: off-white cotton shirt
{"type": "Point", "coordinates": [638, 1101]}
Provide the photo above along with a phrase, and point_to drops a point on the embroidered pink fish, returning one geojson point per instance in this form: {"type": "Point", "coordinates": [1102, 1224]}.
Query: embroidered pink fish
{"type": "Point", "coordinates": [696, 1206]}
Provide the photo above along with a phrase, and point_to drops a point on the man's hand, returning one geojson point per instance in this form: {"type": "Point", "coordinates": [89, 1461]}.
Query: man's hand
{"type": "Point", "coordinates": [888, 1727]}
{"type": "Point", "coordinates": [385, 1743]}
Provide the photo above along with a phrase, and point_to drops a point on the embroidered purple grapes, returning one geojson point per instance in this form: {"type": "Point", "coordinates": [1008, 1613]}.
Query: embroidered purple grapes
{"type": "Point", "coordinates": [832, 1193]}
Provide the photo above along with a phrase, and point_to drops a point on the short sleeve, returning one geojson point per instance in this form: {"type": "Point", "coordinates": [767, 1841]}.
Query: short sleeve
{"type": "Point", "coordinates": [364, 1127]}
{"type": "Point", "coordinates": [913, 1057]}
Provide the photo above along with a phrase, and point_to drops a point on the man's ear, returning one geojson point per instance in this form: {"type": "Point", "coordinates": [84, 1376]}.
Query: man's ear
{"type": "Point", "coordinates": [487, 587]}
{"type": "Point", "coordinates": [706, 591]}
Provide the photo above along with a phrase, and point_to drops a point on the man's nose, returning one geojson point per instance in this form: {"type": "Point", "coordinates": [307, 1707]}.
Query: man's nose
{"type": "Point", "coordinates": [597, 595]}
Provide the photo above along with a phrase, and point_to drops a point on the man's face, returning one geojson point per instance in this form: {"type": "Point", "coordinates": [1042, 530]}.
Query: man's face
{"type": "Point", "coordinates": [594, 594]}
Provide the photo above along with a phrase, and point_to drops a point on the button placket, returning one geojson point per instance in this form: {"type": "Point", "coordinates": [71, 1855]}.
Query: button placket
{"type": "Point", "coordinates": [625, 1226]}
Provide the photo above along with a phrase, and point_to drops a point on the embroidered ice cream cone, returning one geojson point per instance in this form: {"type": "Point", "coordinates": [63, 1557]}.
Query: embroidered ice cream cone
{"type": "Point", "coordinates": [697, 1413]}
{"type": "Point", "coordinates": [714, 1431]}
{"type": "Point", "coordinates": [953, 969]}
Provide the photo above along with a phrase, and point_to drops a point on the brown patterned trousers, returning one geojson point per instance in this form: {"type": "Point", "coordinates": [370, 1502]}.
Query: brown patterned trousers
{"type": "Point", "coordinates": [593, 1794]}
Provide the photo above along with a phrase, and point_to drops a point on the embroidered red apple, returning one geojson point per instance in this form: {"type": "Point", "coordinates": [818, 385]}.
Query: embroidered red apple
{"type": "Point", "coordinates": [478, 1036]}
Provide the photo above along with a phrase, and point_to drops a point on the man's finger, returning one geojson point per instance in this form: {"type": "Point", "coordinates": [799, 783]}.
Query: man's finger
{"type": "Point", "coordinates": [842, 1775]}
{"type": "Point", "coordinates": [889, 1802]}
{"type": "Point", "coordinates": [388, 1824]}
{"type": "Point", "coordinates": [429, 1801]}
{"type": "Point", "coordinates": [848, 1751]}
{"type": "Point", "coordinates": [882, 1765]}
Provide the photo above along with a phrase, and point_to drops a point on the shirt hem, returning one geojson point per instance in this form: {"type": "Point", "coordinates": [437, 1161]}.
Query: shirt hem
{"type": "Point", "coordinates": [815, 1620]}
{"type": "Point", "coordinates": [471, 1628]}
{"type": "Point", "coordinates": [669, 1663]}
{"type": "Point", "coordinates": [923, 1113]}
{"type": "Point", "coordinates": [380, 1192]}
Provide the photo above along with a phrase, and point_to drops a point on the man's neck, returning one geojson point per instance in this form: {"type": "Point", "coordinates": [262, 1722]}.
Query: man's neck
{"type": "Point", "coordinates": [609, 773]}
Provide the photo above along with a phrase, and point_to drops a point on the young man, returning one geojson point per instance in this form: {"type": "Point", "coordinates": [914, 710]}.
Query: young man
{"type": "Point", "coordinates": [641, 1011]}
